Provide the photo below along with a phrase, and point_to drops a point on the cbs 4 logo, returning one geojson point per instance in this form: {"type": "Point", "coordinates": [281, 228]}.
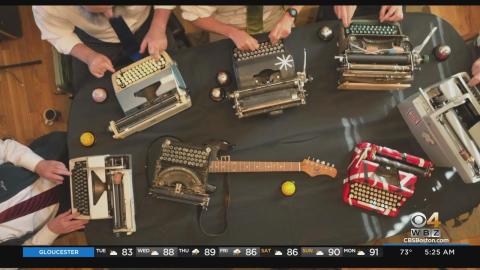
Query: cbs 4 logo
{"type": "Point", "coordinates": [419, 220]}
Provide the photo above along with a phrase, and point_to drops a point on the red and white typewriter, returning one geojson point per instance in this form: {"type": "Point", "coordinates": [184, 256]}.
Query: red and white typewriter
{"type": "Point", "coordinates": [382, 179]}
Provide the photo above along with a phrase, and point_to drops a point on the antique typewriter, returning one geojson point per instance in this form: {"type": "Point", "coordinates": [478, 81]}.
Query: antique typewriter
{"type": "Point", "coordinates": [375, 56]}
{"type": "Point", "coordinates": [149, 91]}
{"type": "Point", "coordinates": [267, 81]}
{"type": "Point", "coordinates": [101, 188]}
{"type": "Point", "coordinates": [445, 120]}
{"type": "Point", "coordinates": [381, 179]}
{"type": "Point", "coordinates": [180, 172]}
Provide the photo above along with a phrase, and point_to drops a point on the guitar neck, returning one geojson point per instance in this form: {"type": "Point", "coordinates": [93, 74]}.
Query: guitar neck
{"type": "Point", "coordinates": [218, 166]}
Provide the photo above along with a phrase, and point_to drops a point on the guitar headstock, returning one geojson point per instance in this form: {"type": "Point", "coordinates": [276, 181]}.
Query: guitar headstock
{"type": "Point", "coordinates": [314, 168]}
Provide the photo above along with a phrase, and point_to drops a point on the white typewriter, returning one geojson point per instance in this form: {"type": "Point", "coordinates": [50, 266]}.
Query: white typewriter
{"type": "Point", "coordinates": [149, 91]}
{"type": "Point", "coordinates": [267, 81]}
{"type": "Point", "coordinates": [101, 188]}
{"type": "Point", "coordinates": [445, 119]}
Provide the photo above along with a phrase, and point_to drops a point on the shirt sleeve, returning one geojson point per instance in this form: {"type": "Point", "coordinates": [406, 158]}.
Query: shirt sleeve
{"type": "Point", "coordinates": [163, 7]}
{"type": "Point", "coordinates": [18, 154]}
{"type": "Point", "coordinates": [192, 13]}
{"type": "Point", "coordinates": [44, 237]}
{"type": "Point", "coordinates": [56, 29]}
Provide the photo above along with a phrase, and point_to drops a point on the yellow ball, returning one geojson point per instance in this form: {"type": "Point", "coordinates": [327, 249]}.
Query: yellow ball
{"type": "Point", "coordinates": [288, 188]}
{"type": "Point", "coordinates": [87, 139]}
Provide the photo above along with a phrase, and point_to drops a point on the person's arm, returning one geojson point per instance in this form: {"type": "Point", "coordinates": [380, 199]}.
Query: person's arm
{"type": "Point", "coordinates": [202, 17]}
{"type": "Point", "coordinates": [22, 156]}
{"type": "Point", "coordinates": [156, 38]}
{"type": "Point", "coordinates": [18, 154]}
{"type": "Point", "coordinates": [475, 73]}
{"type": "Point", "coordinates": [61, 224]}
{"type": "Point", "coordinates": [391, 13]}
{"type": "Point", "coordinates": [60, 33]}
{"type": "Point", "coordinates": [345, 13]}
{"type": "Point", "coordinates": [283, 28]}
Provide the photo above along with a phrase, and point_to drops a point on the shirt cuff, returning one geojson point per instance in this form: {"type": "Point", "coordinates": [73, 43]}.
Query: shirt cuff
{"type": "Point", "coordinates": [29, 161]}
{"type": "Point", "coordinates": [163, 7]}
{"type": "Point", "coordinates": [44, 237]}
{"type": "Point", "coordinates": [65, 44]}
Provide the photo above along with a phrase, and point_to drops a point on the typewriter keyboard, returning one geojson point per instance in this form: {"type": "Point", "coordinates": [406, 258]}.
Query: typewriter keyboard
{"type": "Point", "coordinates": [139, 70]}
{"type": "Point", "coordinates": [265, 48]}
{"type": "Point", "coordinates": [372, 29]}
{"type": "Point", "coordinates": [374, 196]}
{"type": "Point", "coordinates": [80, 188]}
{"type": "Point", "coordinates": [185, 154]}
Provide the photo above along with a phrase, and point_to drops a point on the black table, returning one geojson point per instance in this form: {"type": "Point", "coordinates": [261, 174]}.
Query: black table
{"type": "Point", "coordinates": [328, 128]}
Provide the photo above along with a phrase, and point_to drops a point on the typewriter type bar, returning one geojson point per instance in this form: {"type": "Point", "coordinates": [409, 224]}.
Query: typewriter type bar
{"type": "Point", "coordinates": [102, 188]}
{"type": "Point", "coordinates": [266, 80]}
{"type": "Point", "coordinates": [149, 91]}
{"type": "Point", "coordinates": [374, 56]}
{"type": "Point", "coordinates": [445, 119]}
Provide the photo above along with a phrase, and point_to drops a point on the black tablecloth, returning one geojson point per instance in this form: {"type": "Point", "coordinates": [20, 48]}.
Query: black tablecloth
{"type": "Point", "coordinates": [328, 128]}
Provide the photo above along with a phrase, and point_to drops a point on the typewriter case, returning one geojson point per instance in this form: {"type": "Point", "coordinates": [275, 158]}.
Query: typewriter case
{"type": "Point", "coordinates": [374, 56]}
{"type": "Point", "coordinates": [266, 80]}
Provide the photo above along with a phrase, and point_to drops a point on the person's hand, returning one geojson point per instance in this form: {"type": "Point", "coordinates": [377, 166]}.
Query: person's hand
{"type": "Point", "coordinates": [391, 14]}
{"type": "Point", "coordinates": [243, 40]}
{"type": "Point", "coordinates": [475, 73]}
{"type": "Point", "coordinates": [156, 42]}
{"type": "Point", "coordinates": [52, 170]}
{"type": "Point", "coordinates": [98, 64]}
{"type": "Point", "coordinates": [345, 14]}
{"type": "Point", "coordinates": [282, 29]}
{"type": "Point", "coordinates": [66, 222]}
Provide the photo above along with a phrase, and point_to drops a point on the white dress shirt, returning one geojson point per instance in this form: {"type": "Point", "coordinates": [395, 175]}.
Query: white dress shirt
{"type": "Point", "coordinates": [22, 156]}
{"type": "Point", "coordinates": [233, 15]}
{"type": "Point", "coordinates": [57, 23]}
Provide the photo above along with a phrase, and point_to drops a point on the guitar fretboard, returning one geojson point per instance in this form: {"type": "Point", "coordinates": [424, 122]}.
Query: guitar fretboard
{"type": "Point", "coordinates": [253, 166]}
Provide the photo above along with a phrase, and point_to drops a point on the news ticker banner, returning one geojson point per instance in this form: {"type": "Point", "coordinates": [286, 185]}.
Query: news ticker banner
{"type": "Point", "coordinates": [418, 255]}
{"type": "Point", "coordinates": [112, 252]}
{"type": "Point", "coordinates": [243, 251]}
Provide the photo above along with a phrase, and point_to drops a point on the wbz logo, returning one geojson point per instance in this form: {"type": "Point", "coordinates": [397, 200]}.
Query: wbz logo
{"type": "Point", "coordinates": [419, 220]}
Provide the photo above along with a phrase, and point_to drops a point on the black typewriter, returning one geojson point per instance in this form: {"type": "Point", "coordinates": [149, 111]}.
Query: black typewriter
{"type": "Point", "coordinates": [267, 81]}
{"type": "Point", "coordinates": [375, 56]}
{"type": "Point", "coordinates": [180, 172]}
{"type": "Point", "coordinates": [101, 188]}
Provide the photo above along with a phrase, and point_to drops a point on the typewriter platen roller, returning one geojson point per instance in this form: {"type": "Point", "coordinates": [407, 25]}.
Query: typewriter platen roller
{"type": "Point", "coordinates": [445, 120]}
{"type": "Point", "coordinates": [267, 81]}
{"type": "Point", "coordinates": [374, 56]}
{"type": "Point", "coordinates": [149, 91]}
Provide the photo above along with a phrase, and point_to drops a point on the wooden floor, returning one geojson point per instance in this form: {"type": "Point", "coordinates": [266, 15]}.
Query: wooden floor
{"type": "Point", "coordinates": [23, 102]}
{"type": "Point", "coordinates": [25, 92]}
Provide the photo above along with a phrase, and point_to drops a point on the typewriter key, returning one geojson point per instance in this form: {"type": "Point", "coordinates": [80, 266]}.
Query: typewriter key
{"type": "Point", "coordinates": [217, 94]}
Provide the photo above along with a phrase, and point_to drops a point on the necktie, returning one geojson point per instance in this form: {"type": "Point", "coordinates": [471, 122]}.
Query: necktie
{"type": "Point", "coordinates": [126, 37]}
{"type": "Point", "coordinates": [254, 19]}
{"type": "Point", "coordinates": [32, 205]}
